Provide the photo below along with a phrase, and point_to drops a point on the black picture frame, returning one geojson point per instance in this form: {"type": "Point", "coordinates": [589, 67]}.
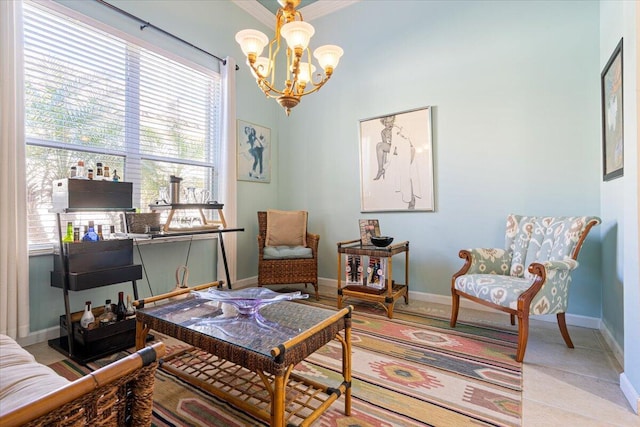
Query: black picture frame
{"type": "Point", "coordinates": [611, 84]}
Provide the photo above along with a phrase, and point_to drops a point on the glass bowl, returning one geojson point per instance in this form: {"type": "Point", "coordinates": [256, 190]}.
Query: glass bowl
{"type": "Point", "coordinates": [248, 301]}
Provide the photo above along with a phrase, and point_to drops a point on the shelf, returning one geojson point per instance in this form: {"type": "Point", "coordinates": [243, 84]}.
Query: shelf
{"type": "Point", "coordinates": [186, 206]}
{"type": "Point", "coordinates": [96, 278]}
{"type": "Point", "coordinates": [83, 354]}
{"type": "Point", "coordinates": [89, 210]}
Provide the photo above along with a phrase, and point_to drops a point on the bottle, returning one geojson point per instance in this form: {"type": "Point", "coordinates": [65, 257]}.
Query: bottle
{"type": "Point", "coordinates": [90, 235]}
{"type": "Point", "coordinates": [100, 236]}
{"type": "Point", "coordinates": [73, 172]}
{"type": "Point", "coordinates": [99, 172]}
{"type": "Point", "coordinates": [108, 316]}
{"type": "Point", "coordinates": [68, 238]}
{"type": "Point", "coordinates": [131, 310]}
{"type": "Point", "coordinates": [80, 169]}
{"type": "Point", "coordinates": [121, 309]}
{"type": "Point", "coordinates": [87, 319]}
{"type": "Point", "coordinates": [89, 173]}
{"type": "Point", "coordinates": [76, 234]}
{"type": "Point", "coordinates": [116, 177]}
{"type": "Point", "coordinates": [107, 175]}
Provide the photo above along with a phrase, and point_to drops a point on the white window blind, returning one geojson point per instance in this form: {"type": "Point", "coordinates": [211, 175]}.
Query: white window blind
{"type": "Point", "coordinates": [94, 96]}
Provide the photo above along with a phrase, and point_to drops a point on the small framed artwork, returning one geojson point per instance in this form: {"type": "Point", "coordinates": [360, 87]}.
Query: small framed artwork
{"type": "Point", "coordinates": [396, 162]}
{"type": "Point", "coordinates": [254, 152]}
{"type": "Point", "coordinates": [612, 118]}
{"type": "Point", "coordinates": [368, 228]}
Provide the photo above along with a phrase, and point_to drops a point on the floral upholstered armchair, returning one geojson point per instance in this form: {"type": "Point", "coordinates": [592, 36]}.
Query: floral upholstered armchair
{"type": "Point", "coordinates": [531, 276]}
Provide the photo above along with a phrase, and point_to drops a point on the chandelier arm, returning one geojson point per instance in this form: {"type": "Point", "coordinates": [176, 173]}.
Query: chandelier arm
{"type": "Point", "coordinates": [262, 82]}
{"type": "Point", "coordinates": [316, 87]}
{"type": "Point", "coordinates": [272, 55]}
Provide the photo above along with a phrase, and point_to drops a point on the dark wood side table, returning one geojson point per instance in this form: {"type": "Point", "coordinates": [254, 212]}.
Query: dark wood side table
{"type": "Point", "coordinates": [391, 291]}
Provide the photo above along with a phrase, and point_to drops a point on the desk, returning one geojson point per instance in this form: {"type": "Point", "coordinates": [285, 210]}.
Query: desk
{"type": "Point", "coordinates": [218, 231]}
{"type": "Point", "coordinates": [391, 291]}
{"type": "Point", "coordinates": [249, 360]}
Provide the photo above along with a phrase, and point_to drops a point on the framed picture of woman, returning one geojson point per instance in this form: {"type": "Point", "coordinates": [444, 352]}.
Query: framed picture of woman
{"type": "Point", "coordinates": [254, 152]}
{"type": "Point", "coordinates": [396, 162]}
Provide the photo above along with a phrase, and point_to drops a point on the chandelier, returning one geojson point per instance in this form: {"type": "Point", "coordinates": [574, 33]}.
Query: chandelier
{"type": "Point", "coordinates": [300, 71]}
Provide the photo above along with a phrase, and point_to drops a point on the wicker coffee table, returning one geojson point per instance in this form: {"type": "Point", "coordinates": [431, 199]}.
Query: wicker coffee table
{"type": "Point", "coordinates": [249, 360]}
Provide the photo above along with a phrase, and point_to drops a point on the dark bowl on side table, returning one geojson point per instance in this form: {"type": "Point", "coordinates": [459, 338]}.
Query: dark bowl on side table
{"type": "Point", "coordinates": [381, 241]}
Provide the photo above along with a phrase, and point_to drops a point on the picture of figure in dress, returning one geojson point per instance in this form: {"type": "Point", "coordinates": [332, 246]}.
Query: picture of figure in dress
{"type": "Point", "coordinates": [253, 152]}
{"type": "Point", "coordinates": [396, 162]}
{"type": "Point", "coordinates": [402, 160]}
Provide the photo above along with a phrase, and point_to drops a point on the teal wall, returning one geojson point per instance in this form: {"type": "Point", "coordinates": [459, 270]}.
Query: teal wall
{"type": "Point", "coordinates": [621, 279]}
{"type": "Point", "coordinates": [515, 86]}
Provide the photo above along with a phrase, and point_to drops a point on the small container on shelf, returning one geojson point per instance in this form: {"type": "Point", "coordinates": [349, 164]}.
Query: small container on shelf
{"type": "Point", "coordinates": [87, 319]}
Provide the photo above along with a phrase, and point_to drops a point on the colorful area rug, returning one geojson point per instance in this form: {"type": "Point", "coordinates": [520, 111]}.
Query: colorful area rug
{"type": "Point", "coordinates": [416, 372]}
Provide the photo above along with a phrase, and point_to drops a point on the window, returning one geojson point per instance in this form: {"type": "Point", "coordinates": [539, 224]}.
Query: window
{"type": "Point", "coordinates": [94, 96]}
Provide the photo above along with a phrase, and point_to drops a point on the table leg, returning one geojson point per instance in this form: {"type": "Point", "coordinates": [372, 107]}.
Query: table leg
{"type": "Point", "coordinates": [390, 290]}
{"type": "Point", "coordinates": [406, 275]}
{"type": "Point", "coordinates": [224, 260]}
{"type": "Point", "coordinates": [141, 334]}
{"type": "Point", "coordinates": [339, 280]}
{"type": "Point", "coordinates": [277, 404]}
{"type": "Point", "coordinates": [346, 368]}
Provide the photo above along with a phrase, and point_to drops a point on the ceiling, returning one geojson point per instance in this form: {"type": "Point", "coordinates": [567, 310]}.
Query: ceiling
{"type": "Point", "coordinates": [265, 10]}
{"type": "Point", "coordinates": [273, 5]}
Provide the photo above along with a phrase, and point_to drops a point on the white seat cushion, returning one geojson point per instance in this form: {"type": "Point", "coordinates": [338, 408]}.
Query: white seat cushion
{"type": "Point", "coordinates": [22, 379]}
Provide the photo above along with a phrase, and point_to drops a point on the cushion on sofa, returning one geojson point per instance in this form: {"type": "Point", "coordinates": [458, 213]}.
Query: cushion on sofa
{"type": "Point", "coordinates": [22, 379]}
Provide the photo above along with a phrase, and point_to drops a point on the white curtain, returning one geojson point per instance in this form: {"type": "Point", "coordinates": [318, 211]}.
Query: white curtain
{"type": "Point", "coordinates": [14, 255]}
{"type": "Point", "coordinates": [228, 192]}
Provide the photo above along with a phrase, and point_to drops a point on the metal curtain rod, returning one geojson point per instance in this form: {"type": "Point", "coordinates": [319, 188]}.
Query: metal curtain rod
{"type": "Point", "coordinates": [146, 24]}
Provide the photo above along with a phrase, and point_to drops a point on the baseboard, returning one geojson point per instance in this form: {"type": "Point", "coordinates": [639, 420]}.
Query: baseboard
{"type": "Point", "coordinates": [630, 393]}
{"type": "Point", "coordinates": [245, 283]}
{"type": "Point", "coordinates": [617, 351]}
{"type": "Point", "coordinates": [328, 287]}
{"type": "Point", "coordinates": [39, 336]}
{"type": "Point", "coordinates": [572, 319]}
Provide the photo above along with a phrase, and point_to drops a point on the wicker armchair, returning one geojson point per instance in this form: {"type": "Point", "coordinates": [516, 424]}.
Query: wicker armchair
{"type": "Point", "coordinates": [286, 270]}
{"type": "Point", "coordinates": [119, 394]}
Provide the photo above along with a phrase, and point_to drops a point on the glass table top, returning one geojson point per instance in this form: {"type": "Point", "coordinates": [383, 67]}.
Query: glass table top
{"type": "Point", "coordinates": [270, 326]}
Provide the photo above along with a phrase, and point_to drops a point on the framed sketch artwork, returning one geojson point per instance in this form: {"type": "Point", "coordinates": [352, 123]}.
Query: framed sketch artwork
{"type": "Point", "coordinates": [254, 152]}
{"type": "Point", "coordinates": [612, 123]}
{"type": "Point", "coordinates": [396, 162]}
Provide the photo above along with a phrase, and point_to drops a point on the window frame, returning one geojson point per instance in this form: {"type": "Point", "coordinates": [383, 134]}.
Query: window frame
{"type": "Point", "coordinates": [132, 152]}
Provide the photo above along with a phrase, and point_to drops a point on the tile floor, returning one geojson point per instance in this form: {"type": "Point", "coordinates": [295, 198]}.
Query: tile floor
{"type": "Point", "coordinates": [562, 386]}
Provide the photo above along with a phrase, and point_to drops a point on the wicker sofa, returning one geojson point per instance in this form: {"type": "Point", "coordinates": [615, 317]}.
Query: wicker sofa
{"type": "Point", "coordinates": [118, 394]}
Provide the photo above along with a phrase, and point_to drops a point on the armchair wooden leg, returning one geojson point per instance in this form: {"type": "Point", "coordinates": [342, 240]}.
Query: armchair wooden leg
{"type": "Point", "coordinates": [455, 306]}
{"type": "Point", "coordinates": [523, 336]}
{"type": "Point", "coordinates": [562, 323]}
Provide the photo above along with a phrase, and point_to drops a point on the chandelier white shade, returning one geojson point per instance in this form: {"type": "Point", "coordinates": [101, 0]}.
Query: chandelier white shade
{"type": "Point", "coordinates": [299, 78]}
